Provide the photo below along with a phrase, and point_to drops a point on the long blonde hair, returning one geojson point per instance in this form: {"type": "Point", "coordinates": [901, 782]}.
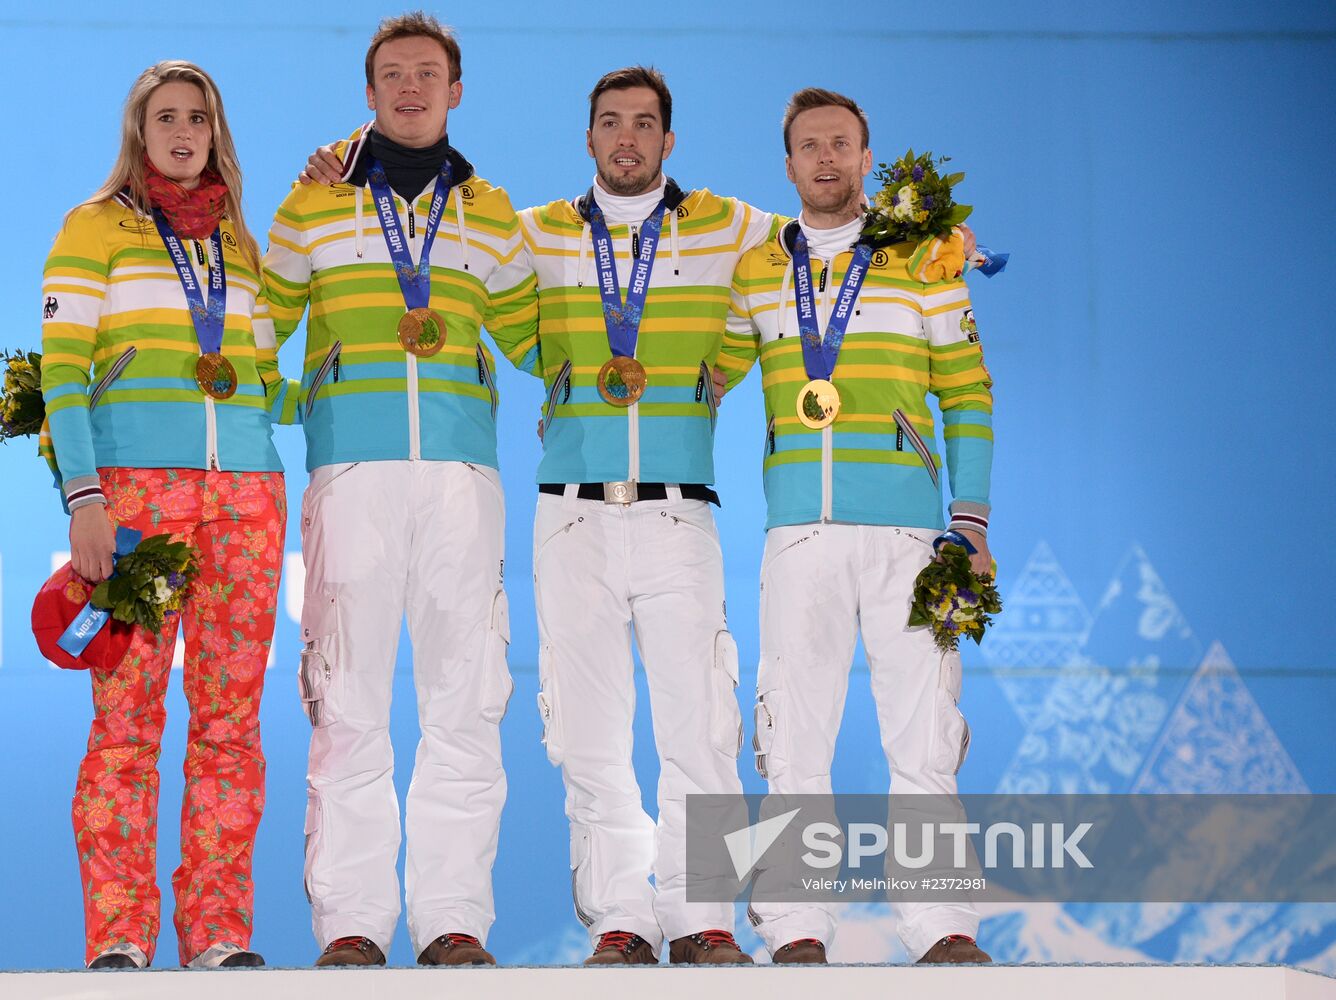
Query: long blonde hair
{"type": "Point", "coordinates": [128, 171]}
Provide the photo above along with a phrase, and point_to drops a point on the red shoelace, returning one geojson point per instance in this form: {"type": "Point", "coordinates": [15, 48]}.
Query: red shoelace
{"type": "Point", "coordinates": [794, 944]}
{"type": "Point", "coordinates": [356, 941]}
{"type": "Point", "coordinates": [462, 939]}
{"type": "Point", "coordinates": [959, 937]}
{"type": "Point", "coordinates": [617, 941]}
{"type": "Point", "coordinates": [715, 939]}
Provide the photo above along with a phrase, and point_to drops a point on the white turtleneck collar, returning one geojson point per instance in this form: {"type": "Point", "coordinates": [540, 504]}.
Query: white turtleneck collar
{"type": "Point", "coordinates": [826, 243]}
{"type": "Point", "coordinates": [628, 209]}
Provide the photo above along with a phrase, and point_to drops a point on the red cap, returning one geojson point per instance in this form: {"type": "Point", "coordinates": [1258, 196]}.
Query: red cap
{"type": "Point", "coordinates": [57, 604]}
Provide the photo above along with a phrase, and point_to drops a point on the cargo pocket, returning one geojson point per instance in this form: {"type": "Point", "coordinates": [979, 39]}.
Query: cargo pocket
{"type": "Point", "coordinates": [581, 872]}
{"type": "Point", "coordinates": [725, 717]}
{"type": "Point", "coordinates": [769, 738]}
{"type": "Point", "coordinates": [312, 828]}
{"type": "Point", "coordinates": [317, 669]}
{"type": "Point", "coordinates": [952, 738]}
{"type": "Point", "coordinates": [547, 707]}
{"type": "Point", "coordinates": [497, 685]}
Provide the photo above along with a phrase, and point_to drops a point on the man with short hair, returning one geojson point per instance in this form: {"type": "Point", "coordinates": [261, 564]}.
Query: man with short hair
{"type": "Point", "coordinates": [853, 496]}
{"type": "Point", "coordinates": [402, 261]}
{"type": "Point", "coordinates": [633, 281]}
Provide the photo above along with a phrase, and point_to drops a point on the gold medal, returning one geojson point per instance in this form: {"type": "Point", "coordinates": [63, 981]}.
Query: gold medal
{"type": "Point", "coordinates": [215, 376]}
{"type": "Point", "coordinates": [818, 404]}
{"type": "Point", "coordinates": [422, 332]}
{"type": "Point", "coordinates": [621, 381]}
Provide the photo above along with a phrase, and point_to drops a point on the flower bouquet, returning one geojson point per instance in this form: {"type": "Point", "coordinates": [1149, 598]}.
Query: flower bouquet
{"type": "Point", "coordinates": [22, 409]}
{"type": "Point", "coordinates": [915, 202]}
{"type": "Point", "coordinates": [952, 599]}
{"type": "Point", "coordinates": [148, 582]}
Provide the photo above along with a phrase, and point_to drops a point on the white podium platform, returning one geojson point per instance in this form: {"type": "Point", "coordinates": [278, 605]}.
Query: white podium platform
{"type": "Point", "coordinates": [995, 982]}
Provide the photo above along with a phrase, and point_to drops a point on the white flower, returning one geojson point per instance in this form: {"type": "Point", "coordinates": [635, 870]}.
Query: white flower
{"type": "Point", "coordinates": [904, 209]}
{"type": "Point", "coordinates": [161, 592]}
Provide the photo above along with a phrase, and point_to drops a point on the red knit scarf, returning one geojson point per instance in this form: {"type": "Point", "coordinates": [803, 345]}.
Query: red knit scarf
{"type": "Point", "coordinates": [193, 214]}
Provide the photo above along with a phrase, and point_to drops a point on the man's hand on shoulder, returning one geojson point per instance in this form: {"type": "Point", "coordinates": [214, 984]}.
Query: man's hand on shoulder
{"type": "Point", "coordinates": [323, 167]}
{"type": "Point", "coordinates": [971, 244]}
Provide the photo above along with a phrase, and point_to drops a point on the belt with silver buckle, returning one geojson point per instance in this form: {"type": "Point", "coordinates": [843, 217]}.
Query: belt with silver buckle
{"type": "Point", "coordinates": [629, 491]}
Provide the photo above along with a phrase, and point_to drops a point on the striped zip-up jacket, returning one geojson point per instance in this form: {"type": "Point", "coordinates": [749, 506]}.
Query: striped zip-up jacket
{"type": "Point", "coordinates": [109, 284]}
{"type": "Point", "coordinates": [668, 436]}
{"type": "Point", "coordinates": [877, 463]}
{"type": "Point", "coordinates": [372, 400]}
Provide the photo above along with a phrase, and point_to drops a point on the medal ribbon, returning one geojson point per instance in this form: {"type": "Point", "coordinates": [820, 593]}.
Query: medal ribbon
{"type": "Point", "coordinates": [88, 622]}
{"type": "Point", "coordinates": [207, 317]}
{"type": "Point", "coordinates": [623, 320]}
{"type": "Point", "coordinates": [414, 281]}
{"type": "Point", "coordinates": [819, 355]}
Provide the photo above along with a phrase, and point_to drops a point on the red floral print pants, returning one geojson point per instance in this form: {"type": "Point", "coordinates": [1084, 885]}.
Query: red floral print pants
{"type": "Point", "coordinates": [235, 522]}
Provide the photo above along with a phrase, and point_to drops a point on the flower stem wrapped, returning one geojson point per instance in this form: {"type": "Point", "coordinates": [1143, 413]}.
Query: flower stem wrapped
{"type": "Point", "coordinates": [148, 583]}
{"type": "Point", "coordinates": [953, 600]}
{"type": "Point", "coordinates": [915, 202]}
{"type": "Point", "coordinates": [22, 408]}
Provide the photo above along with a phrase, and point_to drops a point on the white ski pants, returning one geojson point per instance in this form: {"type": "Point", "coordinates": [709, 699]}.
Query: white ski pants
{"type": "Point", "coordinates": [381, 540]}
{"type": "Point", "coordinates": [821, 584]}
{"type": "Point", "coordinates": [603, 574]}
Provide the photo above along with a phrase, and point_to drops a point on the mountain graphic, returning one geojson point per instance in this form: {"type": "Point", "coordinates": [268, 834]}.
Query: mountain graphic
{"type": "Point", "coordinates": [1103, 713]}
{"type": "Point", "coordinates": [1217, 741]}
{"type": "Point", "coordinates": [1041, 631]}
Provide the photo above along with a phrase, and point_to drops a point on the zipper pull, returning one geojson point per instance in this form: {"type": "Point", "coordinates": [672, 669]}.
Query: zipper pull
{"type": "Point", "coordinates": [635, 242]}
{"type": "Point", "coordinates": [199, 254]}
{"type": "Point", "coordinates": [412, 222]}
{"type": "Point", "coordinates": [821, 281]}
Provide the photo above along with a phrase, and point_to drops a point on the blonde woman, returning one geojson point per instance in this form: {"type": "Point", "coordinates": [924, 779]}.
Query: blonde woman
{"type": "Point", "coordinates": [160, 259]}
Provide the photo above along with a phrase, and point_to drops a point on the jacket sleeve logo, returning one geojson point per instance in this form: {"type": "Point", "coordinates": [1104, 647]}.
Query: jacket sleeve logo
{"type": "Point", "coordinates": [49, 307]}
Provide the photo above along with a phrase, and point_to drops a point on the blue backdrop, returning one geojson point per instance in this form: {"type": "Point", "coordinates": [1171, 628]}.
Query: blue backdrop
{"type": "Point", "coordinates": [1161, 174]}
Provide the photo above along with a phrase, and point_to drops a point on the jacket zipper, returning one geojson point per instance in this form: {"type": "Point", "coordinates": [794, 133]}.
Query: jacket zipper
{"type": "Point", "coordinates": [211, 461]}
{"type": "Point", "coordinates": [414, 417]}
{"type": "Point", "coordinates": [633, 411]}
{"type": "Point", "coordinates": [633, 442]}
{"type": "Point", "coordinates": [827, 432]}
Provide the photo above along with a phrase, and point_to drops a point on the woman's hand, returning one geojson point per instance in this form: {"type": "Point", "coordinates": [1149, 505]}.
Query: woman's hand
{"type": "Point", "coordinates": [92, 542]}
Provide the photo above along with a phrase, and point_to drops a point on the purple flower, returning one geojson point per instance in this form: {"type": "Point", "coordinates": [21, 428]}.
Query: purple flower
{"type": "Point", "coordinates": [927, 201]}
{"type": "Point", "coordinates": [918, 173]}
{"type": "Point", "coordinates": [897, 174]}
{"type": "Point", "coordinates": [895, 200]}
{"type": "Point", "coordinates": [967, 597]}
{"type": "Point", "coordinates": [174, 580]}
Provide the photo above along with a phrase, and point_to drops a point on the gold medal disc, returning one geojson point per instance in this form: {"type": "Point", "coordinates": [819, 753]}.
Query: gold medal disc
{"type": "Point", "coordinates": [215, 376]}
{"type": "Point", "coordinates": [422, 332]}
{"type": "Point", "coordinates": [621, 381]}
{"type": "Point", "coordinates": [818, 404]}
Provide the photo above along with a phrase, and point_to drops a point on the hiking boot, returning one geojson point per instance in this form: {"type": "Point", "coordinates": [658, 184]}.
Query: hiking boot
{"type": "Point", "coordinates": [456, 949]}
{"type": "Point", "coordinates": [955, 949]}
{"type": "Point", "coordinates": [242, 960]}
{"type": "Point", "coordinates": [622, 948]}
{"type": "Point", "coordinates": [351, 951]}
{"type": "Point", "coordinates": [804, 951]}
{"type": "Point", "coordinates": [713, 947]}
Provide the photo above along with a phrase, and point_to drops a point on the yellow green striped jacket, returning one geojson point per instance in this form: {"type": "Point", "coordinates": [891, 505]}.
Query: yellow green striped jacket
{"type": "Point", "coordinates": [668, 436]}
{"type": "Point", "coordinates": [878, 462]}
{"type": "Point", "coordinates": [372, 400]}
{"type": "Point", "coordinates": [109, 285]}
